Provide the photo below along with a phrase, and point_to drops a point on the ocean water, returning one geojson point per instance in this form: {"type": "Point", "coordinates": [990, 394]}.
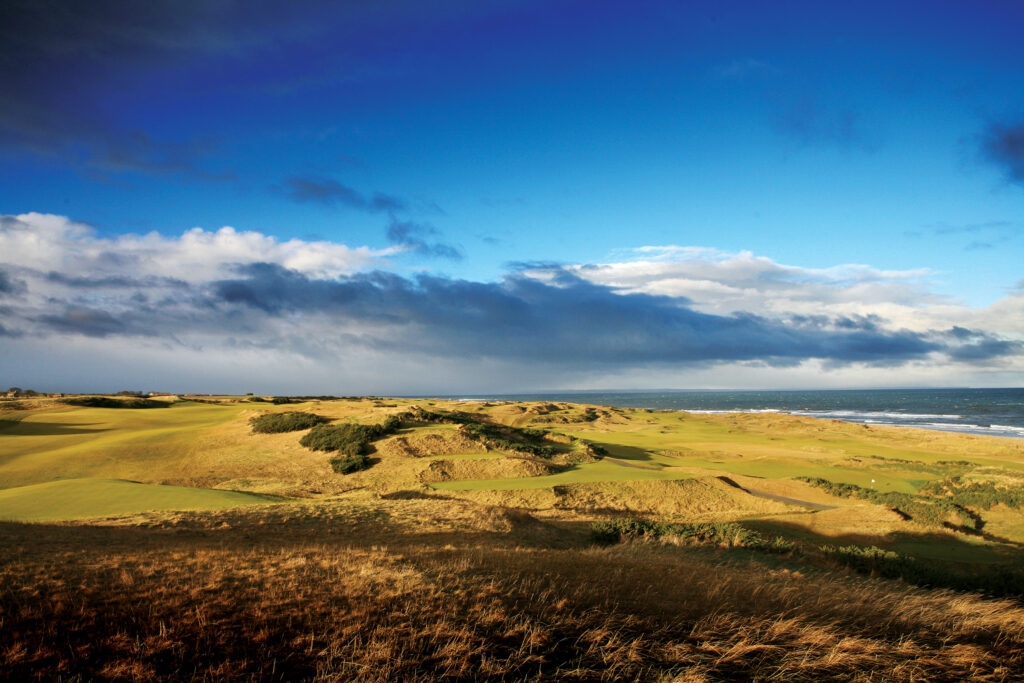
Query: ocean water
{"type": "Point", "coordinates": [992, 412]}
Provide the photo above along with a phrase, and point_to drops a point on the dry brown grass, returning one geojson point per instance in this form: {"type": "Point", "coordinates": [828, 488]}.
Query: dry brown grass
{"type": "Point", "coordinates": [425, 589]}
{"type": "Point", "coordinates": [491, 468]}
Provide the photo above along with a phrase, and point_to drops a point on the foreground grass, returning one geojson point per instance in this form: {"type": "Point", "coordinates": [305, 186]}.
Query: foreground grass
{"type": "Point", "coordinates": [421, 590]}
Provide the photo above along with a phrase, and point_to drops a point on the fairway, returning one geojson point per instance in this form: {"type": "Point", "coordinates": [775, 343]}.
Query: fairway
{"type": "Point", "coordinates": [82, 498]}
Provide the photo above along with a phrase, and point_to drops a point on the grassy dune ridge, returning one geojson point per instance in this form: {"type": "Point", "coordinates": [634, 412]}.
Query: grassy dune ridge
{"type": "Point", "coordinates": [735, 546]}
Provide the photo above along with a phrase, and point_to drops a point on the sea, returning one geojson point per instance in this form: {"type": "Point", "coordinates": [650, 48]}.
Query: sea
{"type": "Point", "coordinates": [990, 412]}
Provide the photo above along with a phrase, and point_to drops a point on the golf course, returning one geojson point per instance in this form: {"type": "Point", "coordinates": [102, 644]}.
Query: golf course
{"type": "Point", "coordinates": [219, 522]}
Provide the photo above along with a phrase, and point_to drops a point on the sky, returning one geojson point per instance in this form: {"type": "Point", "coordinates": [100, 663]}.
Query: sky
{"type": "Point", "coordinates": [500, 196]}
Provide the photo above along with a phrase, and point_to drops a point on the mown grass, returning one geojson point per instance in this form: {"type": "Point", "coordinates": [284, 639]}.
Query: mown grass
{"type": "Point", "coordinates": [78, 498]}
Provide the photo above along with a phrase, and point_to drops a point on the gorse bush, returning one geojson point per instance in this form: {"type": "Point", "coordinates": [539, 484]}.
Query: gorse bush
{"type": "Point", "coordinates": [347, 438]}
{"type": "Point", "coordinates": [998, 581]}
{"type": "Point", "coordinates": [719, 533]}
{"type": "Point", "coordinates": [106, 402]}
{"type": "Point", "coordinates": [347, 464]}
{"type": "Point", "coordinates": [500, 437]}
{"type": "Point", "coordinates": [943, 512]}
{"type": "Point", "coordinates": [275, 423]}
{"type": "Point", "coordinates": [984, 495]}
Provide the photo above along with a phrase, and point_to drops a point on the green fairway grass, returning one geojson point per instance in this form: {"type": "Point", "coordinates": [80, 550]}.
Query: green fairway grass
{"type": "Point", "coordinates": [82, 498]}
{"type": "Point", "coordinates": [74, 442]}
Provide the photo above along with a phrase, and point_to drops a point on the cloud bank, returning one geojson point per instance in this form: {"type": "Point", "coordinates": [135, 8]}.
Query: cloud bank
{"type": "Point", "coordinates": [211, 296]}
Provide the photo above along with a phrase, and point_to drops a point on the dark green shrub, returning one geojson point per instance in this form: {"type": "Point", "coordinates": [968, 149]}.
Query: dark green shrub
{"type": "Point", "coordinates": [347, 464]}
{"type": "Point", "coordinates": [999, 581]}
{"type": "Point", "coordinates": [275, 423]}
{"type": "Point", "coordinates": [731, 534]}
{"type": "Point", "coordinates": [944, 512]}
{"type": "Point", "coordinates": [347, 438]}
{"type": "Point", "coordinates": [106, 402]}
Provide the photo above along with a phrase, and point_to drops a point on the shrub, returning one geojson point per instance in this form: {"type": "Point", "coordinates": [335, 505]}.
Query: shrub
{"type": "Point", "coordinates": [933, 511]}
{"type": "Point", "coordinates": [348, 464]}
{"type": "Point", "coordinates": [720, 533]}
{"type": "Point", "coordinates": [1002, 580]}
{"type": "Point", "coordinates": [275, 423]}
{"type": "Point", "coordinates": [347, 438]}
{"type": "Point", "coordinates": [106, 402]}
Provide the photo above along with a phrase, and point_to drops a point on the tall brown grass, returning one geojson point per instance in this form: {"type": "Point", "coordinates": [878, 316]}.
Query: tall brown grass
{"type": "Point", "coordinates": [428, 589]}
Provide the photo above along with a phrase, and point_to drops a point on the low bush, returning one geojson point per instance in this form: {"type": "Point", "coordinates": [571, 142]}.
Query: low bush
{"type": "Point", "coordinates": [984, 495]}
{"type": "Point", "coordinates": [107, 402]}
{"type": "Point", "coordinates": [998, 581]}
{"type": "Point", "coordinates": [719, 533]}
{"type": "Point", "coordinates": [347, 438]}
{"type": "Point", "coordinates": [943, 512]}
{"type": "Point", "coordinates": [292, 421]}
{"type": "Point", "coordinates": [347, 464]}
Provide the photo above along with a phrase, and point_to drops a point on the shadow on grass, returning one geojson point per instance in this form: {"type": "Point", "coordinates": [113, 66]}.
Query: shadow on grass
{"type": "Point", "coordinates": [624, 452]}
{"type": "Point", "coordinates": [21, 428]}
{"type": "Point", "coordinates": [940, 547]}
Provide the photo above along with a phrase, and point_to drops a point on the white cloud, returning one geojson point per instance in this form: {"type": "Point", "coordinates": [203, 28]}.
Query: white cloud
{"type": "Point", "coordinates": [184, 313]}
{"type": "Point", "coordinates": [722, 282]}
{"type": "Point", "coordinates": [47, 242]}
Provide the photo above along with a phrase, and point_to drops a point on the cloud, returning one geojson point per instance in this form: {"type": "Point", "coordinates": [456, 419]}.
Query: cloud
{"type": "Point", "coordinates": [725, 282]}
{"type": "Point", "coordinates": [60, 251]}
{"type": "Point", "coordinates": [1003, 145]}
{"type": "Point", "coordinates": [332, 193]}
{"type": "Point", "coordinates": [565, 321]}
{"type": "Point", "coordinates": [85, 321]}
{"type": "Point", "coordinates": [413, 236]}
{"type": "Point", "coordinates": [9, 285]}
{"type": "Point", "coordinates": [231, 294]}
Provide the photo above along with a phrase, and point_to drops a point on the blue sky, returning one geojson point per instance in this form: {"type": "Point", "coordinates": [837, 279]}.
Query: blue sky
{"type": "Point", "coordinates": [870, 155]}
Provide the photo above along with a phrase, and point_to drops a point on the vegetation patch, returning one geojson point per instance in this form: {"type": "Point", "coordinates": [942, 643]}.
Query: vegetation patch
{"type": "Point", "coordinates": [521, 440]}
{"type": "Point", "coordinates": [942, 512]}
{"type": "Point", "coordinates": [107, 402]}
{"type": "Point", "coordinates": [999, 581]}
{"type": "Point", "coordinates": [727, 534]}
{"type": "Point", "coordinates": [984, 495]}
{"type": "Point", "coordinates": [348, 438]}
{"type": "Point", "coordinates": [292, 421]}
{"type": "Point", "coordinates": [347, 464]}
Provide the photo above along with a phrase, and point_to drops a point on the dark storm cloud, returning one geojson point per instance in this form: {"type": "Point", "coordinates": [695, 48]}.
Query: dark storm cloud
{"type": "Point", "coordinates": [575, 323]}
{"type": "Point", "coordinates": [1003, 145]}
{"type": "Point", "coordinates": [9, 285]}
{"type": "Point", "coordinates": [975, 345]}
{"type": "Point", "coordinates": [332, 193]}
{"type": "Point", "coordinates": [88, 322]}
{"type": "Point", "coordinates": [414, 236]}
{"type": "Point", "coordinates": [114, 282]}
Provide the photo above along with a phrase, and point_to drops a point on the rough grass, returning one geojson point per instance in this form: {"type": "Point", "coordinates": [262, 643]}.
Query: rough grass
{"type": "Point", "coordinates": [423, 590]}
